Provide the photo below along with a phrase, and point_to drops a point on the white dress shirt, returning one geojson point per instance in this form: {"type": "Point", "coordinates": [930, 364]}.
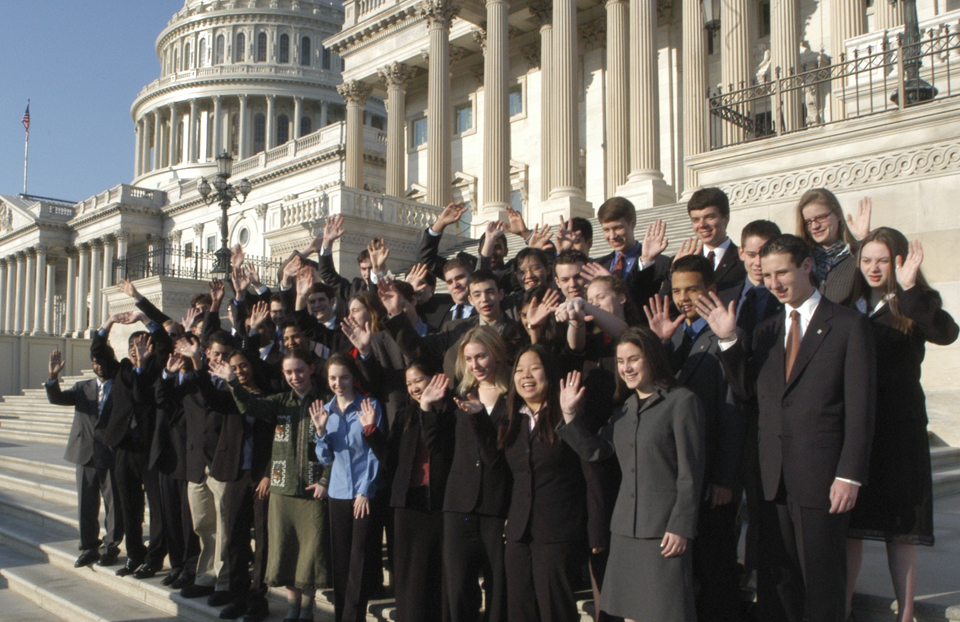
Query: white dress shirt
{"type": "Point", "coordinates": [718, 252]}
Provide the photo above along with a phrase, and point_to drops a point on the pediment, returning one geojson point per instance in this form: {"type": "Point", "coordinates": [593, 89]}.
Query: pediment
{"type": "Point", "coordinates": [14, 214]}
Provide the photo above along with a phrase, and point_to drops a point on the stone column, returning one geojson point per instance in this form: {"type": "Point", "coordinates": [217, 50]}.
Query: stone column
{"type": "Point", "coordinates": [496, 113]}
{"type": "Point", "coordinates": [192, 130]}
{"type": "Point", "coordinates": [70, 324]}
{"type": "Point", "coordinates": [217, 121]}
{"type": "Point", "coordinates": [644, 106]}
{"type": "Point", "coordinates": [138, 147]}
{"type": "Point", "coordinates": [109, 254]}
{"type": "Point", "coordinates": [847, 19]}
{"type": "Point", "coordinates": [735, 65]}
{"type": "Point", "coordinates": [694, 63]}
{"type": "Point", "coordinates": [271, 123]}
{"type": "Point", "coordinates": [40, 290]}
{"type": "Point", "coordinates": [355, 94]}
{"type": "Point", "coordinates": [4, 276]}
{"type": "Point", "coordinates": [122, 240]}
{"type": "Point", "coordinates": [785, 53]}
{"type": "Point", "coordinates": [297, 113]}
{"type": "Point", "coordinates": [83, 289]}
{"type": "Point", "coordinates": [48, 311]}
{"type": "Point", "coordinates": [175, 154]}
{"type": "Point", "coordinates": [324, 113]}
{"type": "Point", "coordinates": [145, 146]}
{"type": "Point", "coordinates": [439, 14]}
{"type": "Point", "coordinates": [96, 256]}
{"type": "Point", "coordinates": [618, 95]}
{"type": "Point", "coordinates": [544, 12]}
{"type": "Point", "coordinates": [888, 16]}
{"type": "Point", "coordinates": [244, 147]}
{"type": "Point", "coordinates": [566, 134]}
{"type": "Point", "coordinates": [30, 293]}
{"type": "Point", "coordinates": [397, 77]}
{"type": "Point", "coordinates": [20, 293]}
{"type": "Point", "coordinates": [157, 139]}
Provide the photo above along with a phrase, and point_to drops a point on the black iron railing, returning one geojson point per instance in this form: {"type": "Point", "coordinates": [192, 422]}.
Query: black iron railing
{"type": "Point", "coordinates": [177, 262]}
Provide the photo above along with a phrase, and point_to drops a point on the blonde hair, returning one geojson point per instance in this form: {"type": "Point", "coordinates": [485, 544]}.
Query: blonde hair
{"type": "Point", "coordinates": [493, 342]}
{"type": "Point", "coordinates": [824, 197]}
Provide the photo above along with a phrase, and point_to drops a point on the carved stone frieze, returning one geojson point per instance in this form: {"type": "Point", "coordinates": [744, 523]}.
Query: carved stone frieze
{"type": "Point", "coordinates": [594, 34]}
{"type": "Point", "coordinates": [532, 54]}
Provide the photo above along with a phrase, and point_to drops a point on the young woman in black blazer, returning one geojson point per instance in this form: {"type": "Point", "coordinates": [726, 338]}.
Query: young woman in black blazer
{"type": "Point", "coordinates": [896, 503]}
{"type": "Point", "coordinates": [477, 495]}
{"type": "Point", "coordinates": [657, 436]}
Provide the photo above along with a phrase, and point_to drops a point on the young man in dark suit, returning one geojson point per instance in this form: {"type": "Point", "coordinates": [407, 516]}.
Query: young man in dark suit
{"type": "Point", "coordinates": [91, 400]}
{"type": "Point", "coordinates": [709, 211]}
{"type": "Point", "coordinates": [812, 371]}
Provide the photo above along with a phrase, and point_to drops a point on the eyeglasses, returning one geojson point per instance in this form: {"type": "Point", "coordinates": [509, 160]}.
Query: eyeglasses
{"type": "Point", "coordinates": [821, 220]}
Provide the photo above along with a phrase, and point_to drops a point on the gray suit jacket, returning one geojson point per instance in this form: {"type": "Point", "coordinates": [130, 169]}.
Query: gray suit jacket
{"type": "Point", "coordinates": [82, 448]}
{"type": "Point", "coordinates": [661, 454]}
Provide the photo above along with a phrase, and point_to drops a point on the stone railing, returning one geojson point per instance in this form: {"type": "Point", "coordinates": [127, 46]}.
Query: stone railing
{"type": "Point", "coordinates": [130, 195]}
{"type": "Point", "coordinates": [361, 204]}
{"type": "Point", "coordinates": [329, 137]}
{"type": "Point", "coordinates": [357, 11]}
{"type": "Point", "coordinates": [319, 76]}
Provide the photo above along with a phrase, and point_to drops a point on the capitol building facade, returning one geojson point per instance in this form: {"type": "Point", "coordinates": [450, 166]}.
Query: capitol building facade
{"type": "Point", "coordinates": [385, 110]}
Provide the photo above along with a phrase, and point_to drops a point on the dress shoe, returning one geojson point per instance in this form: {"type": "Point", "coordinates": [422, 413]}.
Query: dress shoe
{"type": "Point", "coordinates": [109, 558]}
{"type": "Point", "coordinates": [234, 610]}
{"type": "Point", "coordinates": [86, 558]}
{"type": "Point", "coordinates": [219, 598]}
{"type": "Point", "coordinates": [184, 580]}
{"type": "Point", "coordinates": [257, 610]}
{"type": "Point", "coordinates": [172, 576]}
{"type": "Point", "coordinates": [196, 591]}
{"type": "Point", "coordinates": [148, 570]}
{"type": "Point", "coordinates": [129, 568]}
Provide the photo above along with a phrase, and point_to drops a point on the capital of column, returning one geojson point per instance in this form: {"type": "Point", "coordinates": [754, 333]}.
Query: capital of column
{"type": "Point", "coordinates": [261, 211]}
{"type": "Point", "coordinates": [110, 239]}
{"type": "Point", "coordinates": [543, 10]}
{"type": "Point", "coordinates": [175, 236]}
{"type": "Point", "coordinates": [397, 75]}
{"type": "Point", "coordinates": [198, 229]}
{"type": "Point", "coordinates": [480, 36]}
{"type": "Point", "coordinates": [96, 243]}
{"type": "Point", "coordinates": [20, 255]}
{"type": "Point", "coordinates": [355, 92]}
{"type": "Point", "coordinates": [71, 251]}
{"type": "Point", "coordinates": [83, 248]}
{"type": "Point", "coordinates": [271, 98]}
{"type": "Point", "coordinates": [438, 13]}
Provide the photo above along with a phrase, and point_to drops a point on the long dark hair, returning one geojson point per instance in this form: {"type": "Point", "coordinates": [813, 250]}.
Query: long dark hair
{"type": "Point", "coordinates": [655, 355]}
{"type": "Point", "coordinates": [549, 417]}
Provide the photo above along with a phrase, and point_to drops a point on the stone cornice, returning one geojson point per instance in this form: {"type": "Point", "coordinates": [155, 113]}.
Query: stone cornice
{"type": "Point", "coordinates": [118, 208]}
{"type": "Point", "coordinates": [244, 81]}
{"type": "Point", "coordinates": [252, 17]}
{"type": "Point", "coordinates": [362, 35]}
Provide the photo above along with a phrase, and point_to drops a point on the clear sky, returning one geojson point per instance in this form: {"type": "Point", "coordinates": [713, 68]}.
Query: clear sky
{"type": "Point", "coordinates": [81, 64]}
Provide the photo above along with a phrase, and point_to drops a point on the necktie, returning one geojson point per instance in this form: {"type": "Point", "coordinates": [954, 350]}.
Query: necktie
{"type": "Point", "coordinates": [712, 256]}
{"type": "Point", "coordinates": [793, 343]}
{"type": "Point", "coordinates": [456, 311]}
{"type": "Point", "coordinates": [748, 311]}
{"type": "Point", "coordinates": [619, 265]}
{"type": "Point", "coordinates": [101, 397]}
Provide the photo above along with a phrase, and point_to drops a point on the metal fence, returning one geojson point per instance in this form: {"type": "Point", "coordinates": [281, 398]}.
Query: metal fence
{"type": "Point", "coordinates": [869, 81]}
{"type": "Point", "coordinates": [178, 262]}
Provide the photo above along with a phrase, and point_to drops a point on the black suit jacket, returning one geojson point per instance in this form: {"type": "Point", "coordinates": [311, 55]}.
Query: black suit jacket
{"type": "Point", "coordinates": [83, 448]}
{"type": "Point", "coordinates": [202, 423]}
{"type": "Point", "coordinates": [747, 319]}
{"type": "Point", "coordinates": [346, 288]}
{"type": "Point", "coordinates": [818, 425]}
{"type": "Point", "coordinates": [436, 311]}
{"type": "Point", "coordinates": [475, 484]}
{"type": "Point", "coordinates": [731, 271]}
{"type": "Point", "coordinates": [642, 284]}
{"type": "Point", "coordinates": [429, 253]}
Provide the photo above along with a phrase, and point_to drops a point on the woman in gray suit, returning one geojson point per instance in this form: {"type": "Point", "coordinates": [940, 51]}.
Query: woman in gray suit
{"type": "Point", "coordinates": [657, 436]}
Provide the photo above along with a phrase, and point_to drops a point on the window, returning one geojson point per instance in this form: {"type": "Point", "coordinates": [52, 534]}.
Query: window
{"type": "Point", "coordinates": [218, 59]}
{"type": "Point", "coordinates": [259, 133]}
{"type": "Point", "coordinates": [516, 201]}
{"type": "Point", "coordinates": [305, 51]}
{"type": "Point", "coordinates": [284, 48]}
{"type": "Point", "coordinates": [240, 51]}
{"type": "Point", "coordinates": [202, 53]}
{"type": "Point", "coordinates": [188, 249]}
{"type": "Point", "coordinates": [325, 63]}
{"type": "Point", "coordinates": [336, 113]}
{"type": "Point", "coordinates": [306, 126]}
{"type": "Point", "coordinates": [244, 236]}
{"type": "Point", "coordinates": [283, 129]}
{"type": "Point", "coordinates": [211, 243]}
{"type": "Point", "coordinates": [186, 57]}
{"type": "Point", "coordinates": [378, 122]}
{"type": "Point", "coordinates": [764, 19]}
{"type": "Point", "coordinates": [176, 61]}
{"type": "Point", "coordinates": [419, 132]}
{"type": "Point", "coordinates": [262, 47]}
{"type": "Point", "coordinates": [464, 118]}
{"type": "Point", "coordinates": [516, 100]}
{"type": "Point", "coordinates": [234, 135]}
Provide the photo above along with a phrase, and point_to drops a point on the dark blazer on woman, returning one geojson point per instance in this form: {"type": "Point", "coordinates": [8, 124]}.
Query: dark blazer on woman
{"type": "Point", "coordinates": [660, 447]}
{"type": "Point", "coordinates": [837, 286]}
{"type": "Point", "coordinates": [475, 485]}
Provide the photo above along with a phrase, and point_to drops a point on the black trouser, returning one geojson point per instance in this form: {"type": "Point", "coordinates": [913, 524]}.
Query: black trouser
{"type": "Point", "coordinates": [92, 484]}
{"type": "Point", "coordinates": [715, 563]}
{"type": "Point", "coordinates": [418, 564]}
{"type": "Point", "coordinates": [473, 544]}
{"type": "Point", "coordinates": [803, 568]}
{"type": "Point", "coordinates": [753, 490]}
{"type": "Point", "coordinates": [134, 480]}
{"type": "Point", "coordinates": [356, 551]}
{"type": "Point", "coordinates": [183, 546]}
{"type": "Point", "coordinates": [242, 509]}
{"type": "Point", "coordinates": [540, 580]}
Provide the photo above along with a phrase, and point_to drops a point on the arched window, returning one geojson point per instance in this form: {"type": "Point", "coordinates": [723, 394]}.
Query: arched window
{"type": "Point", "coordinates": [283, 129]}
{"type": "Point", "coordinates": [202, 53]}
{"type": "Point", "coordinates": [186, 57]}
{"type": "Point", "coordinates": [234, 135]}
{"type": "Point", "coordinates": [325, 63]}
{"type": "Point", "coordinates": [306, 126]}
{"type": "Point", "coordinates": [239, 52]}
{"type": "Point", "coordinates": [284, 48]}
{"type": "Point", "coordinates": [305, 51]}
{"type": "Point", "coordinates": [259, 132]}
{"type": "Point", "coordinates": [262, 47]}
{"type": "Point", "coordinates": [176, 60]}
{"type": "Point", "coordinates": [221, 44]}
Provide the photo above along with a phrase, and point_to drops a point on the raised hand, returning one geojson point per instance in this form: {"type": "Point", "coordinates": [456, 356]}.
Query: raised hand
{"type": "Point", "coordinates": [292, 268]}
{"type": "Point", "coordinates": [221, 370]}
{"type": "Point", "coordinates": [571, 395]}
{"type": "Point", "coordinates": [190, 349]}
{"type": "Point", "coordinates": [492, 231]}
{"type": "Point", "coordinates": [189, 318]}
{"type": "Point", "coordinates": [125, 318]}
{"type": "Point", "coordinates": [908, 270]}
{"type": "Point", "coordinates": [241, 281]}
{"type": "Point", "coordinates": [658, 316]}
{"type": "Point", "coordinates": [722, 319]}
{"type": "Point", "coordinates": [216, 293]}
{"type": "Point", "coordinates": [572, 311]}
{"type": "Point", "coordinates": [174, 363]}
{"type": "Point", "coordinates": [359, 336]}
{"type": "Point", "coordinates": [319, 417]}
{"type": "Point", "coordinates": [538, 312]}
{"type": "Point", "coordinates": [592, 270]}
{"type": "Point", "coordinates": [540, 236]}
{"type": "Point", "coordinates": [860, 226]}
{"type": "Point", "coordinates": [470, 405]}
{"type": "Point", "coordinates": [655, 241]}
{"type": "Point", "coordinates": [141, 350]}
{"type": "Point", "coordinates": [417, 277]}
{"type": "Point", "coordinates": [236, 257]}
{"type": "Point", "coordinates": [56, 364]}
{"type": "Point", "coordinates": [368, 414]}
{"type": "Point", "coordinates": [254, 274]}
{"type": "Point", "coordinates": [332, 231]}
{"type": "Point", "coordinates": [377, 247]}
{"type": "Point", "coordinates": [515, 223]}
{"type": "Point", "coordinates": [305, 280]}
{"type": "Point", "coordinates": [693, 246]}
{"type": "Point", "coordinates": [435, 391]}
{"type": "Point", "coordinates": [448, 216]}
{"type": "Point", "coordinates": [259, 314]}
{"type": "Point", "coordinates": [128, 288]}
{"type": "Point", "coordinates": [390, 297]}
{"type": "Point", "coordinates": [565, 235]}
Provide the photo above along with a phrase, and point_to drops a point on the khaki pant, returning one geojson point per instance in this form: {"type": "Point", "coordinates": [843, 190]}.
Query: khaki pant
{"type": "Point", "coordinates": [206, 510]}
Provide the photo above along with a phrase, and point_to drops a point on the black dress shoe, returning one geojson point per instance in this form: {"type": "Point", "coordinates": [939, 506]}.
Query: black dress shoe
{"type": "Point", "coordinates": [148, 570]}
{"type": "Point", "coordinates": [234, 610]}
{"type": "Point", "coordinates": [109, 558]}
{"type": "Point", "coordinates": [172, 576]}
{"type": "Point", "coordinates": [196, 591]}
{"type": "Point", "coordinates": [184, 580]}
{"type": "Point", "coordinates": [257, 610]}
{"type": "Point", "coordinates": [219, 598]}
{"type": "Point", "coordinates": [129, 568]}
{"type": "Point", "coordinates": [86, 558]}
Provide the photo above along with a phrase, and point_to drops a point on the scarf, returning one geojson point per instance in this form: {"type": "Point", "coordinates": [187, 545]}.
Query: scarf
{"type": "Point", "coordinates": [824, 259]}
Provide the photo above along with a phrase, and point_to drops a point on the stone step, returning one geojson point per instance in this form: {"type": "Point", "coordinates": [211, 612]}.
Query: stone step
{"type": "Point", "coordinates": [23, 465]}
{"type": "Point", "coordinates": [51, 515]}
{"type": "Point", "coordinates": [944, 458]}
{"type": "Point", "coordinates": [40, 408]}
{"type": "Point", "coordinates": [17, 607]}
{"type": "Point", "coordinates": [19, 425]}
{"type": "Point", "coordinates": [34, 416]}
{"type": "Point", "coordinates": [39, 486]}
{"type": "Point", "coordinates": [33, 437]}
{"type": "Point", "coordinates": [946, 482]}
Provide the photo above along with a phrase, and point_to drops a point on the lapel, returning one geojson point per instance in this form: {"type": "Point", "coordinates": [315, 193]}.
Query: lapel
{"type": "Point", "coordinates": [653, 399]}
{"type": "Point", "coordinates": [730, 257]}
{"type": "Point", "coordinates": [702, 344]}
{"type": "Point", "coordinates": [816, 332]}
{"type": "Point", "coordinates": [778, 360]}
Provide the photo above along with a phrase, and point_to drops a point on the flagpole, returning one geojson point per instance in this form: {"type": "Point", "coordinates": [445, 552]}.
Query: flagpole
{"type": "Point", "coordinates": [26, 151]}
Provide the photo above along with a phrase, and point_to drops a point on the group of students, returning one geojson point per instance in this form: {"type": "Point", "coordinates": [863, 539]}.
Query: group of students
{"type": "Point", "coordinates": [551, 418]}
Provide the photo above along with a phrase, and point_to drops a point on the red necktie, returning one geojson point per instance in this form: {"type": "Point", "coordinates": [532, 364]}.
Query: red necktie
{"type": "Point", "coordinates": [619, 265]}
{"type": "Point", "coordinates": [793, 343]}
{"type": "Point", "coordinates": [711, 256]}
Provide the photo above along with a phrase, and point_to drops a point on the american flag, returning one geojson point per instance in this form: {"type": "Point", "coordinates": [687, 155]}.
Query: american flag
{"type": "Point", "coordinates": [26, 119]}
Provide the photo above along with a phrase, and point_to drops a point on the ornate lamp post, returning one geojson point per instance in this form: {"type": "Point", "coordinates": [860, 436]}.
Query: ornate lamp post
{"type": "Point", "coordinates": [917, 89]}
{"type": "Point", "coordinates": [225, 195]}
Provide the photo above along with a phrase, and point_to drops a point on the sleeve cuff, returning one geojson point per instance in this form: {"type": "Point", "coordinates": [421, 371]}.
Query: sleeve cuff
{"type": "Point", "coordinates": [263, 289]}
{"type": "Point", "coordinates": [849, 481]}
{"type": "Point", "coordinates": [325, 251]}
{"type": "Point", "coordinates": [432, 233]}
{"type": "Point", "coordinates": [102, 332]}
{"type": "Point", "coordinates": [153, 327]}
{"type": "Point", "coordinates": [726, 345]}
{"type": "Point", "coordinates": [369, 429]}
